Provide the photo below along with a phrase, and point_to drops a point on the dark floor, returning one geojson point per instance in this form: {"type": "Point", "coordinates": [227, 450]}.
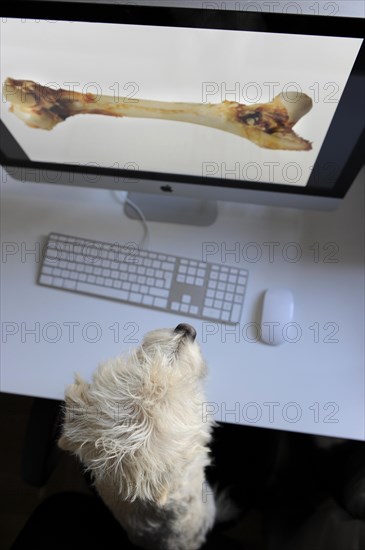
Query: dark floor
{"type": "Point", "coordinates": [275, 476]}
{"type": "Point", "coordinates": [19, 498]}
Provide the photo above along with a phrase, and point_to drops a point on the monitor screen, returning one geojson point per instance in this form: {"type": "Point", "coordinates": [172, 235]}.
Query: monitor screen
{"type": "Point", "coordinates": [212, 97]}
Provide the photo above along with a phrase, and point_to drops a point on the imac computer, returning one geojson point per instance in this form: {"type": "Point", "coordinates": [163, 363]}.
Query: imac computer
{"type": "Point", "coordinates": [184, 106]}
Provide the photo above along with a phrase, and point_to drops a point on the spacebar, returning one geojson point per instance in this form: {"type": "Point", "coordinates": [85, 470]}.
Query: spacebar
{"type": "Point", "coordinates": [108, 292]}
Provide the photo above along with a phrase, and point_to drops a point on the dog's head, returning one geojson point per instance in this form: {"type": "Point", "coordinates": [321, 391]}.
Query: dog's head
{"type": "Point", "coordinates": [140, 419]}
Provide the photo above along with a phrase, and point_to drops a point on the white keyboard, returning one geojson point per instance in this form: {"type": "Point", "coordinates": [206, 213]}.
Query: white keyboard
{"type": "Point", "coordinates": [139, 277]}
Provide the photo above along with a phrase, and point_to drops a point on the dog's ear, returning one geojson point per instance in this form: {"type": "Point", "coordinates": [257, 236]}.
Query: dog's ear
{"type": "Point", "coordinates": [76, 403]}
{"type": "Point", "coordinates": [65, 444]}
{"type": "Point", "coordinates": [162, 497]}
{"type": "Point", "coordinates": [77, 393]}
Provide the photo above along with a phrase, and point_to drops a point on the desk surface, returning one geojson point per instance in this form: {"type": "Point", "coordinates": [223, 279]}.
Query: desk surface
{"type": "Point", "coordinates": [314, 383]}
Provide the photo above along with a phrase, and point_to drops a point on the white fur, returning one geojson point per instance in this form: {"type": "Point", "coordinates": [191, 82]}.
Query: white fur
{"type": "Point", "coordinates": [138, 428]}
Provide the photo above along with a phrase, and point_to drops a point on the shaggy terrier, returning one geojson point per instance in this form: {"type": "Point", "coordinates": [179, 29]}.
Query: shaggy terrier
{"type": "Point", "coordinates": [138, 429]}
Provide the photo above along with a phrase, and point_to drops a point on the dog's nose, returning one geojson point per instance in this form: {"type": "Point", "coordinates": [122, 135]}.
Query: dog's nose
{"type": "Point", "coordinates": [187, 330]}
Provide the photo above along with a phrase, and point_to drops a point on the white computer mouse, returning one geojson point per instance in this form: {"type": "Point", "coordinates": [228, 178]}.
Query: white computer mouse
{"type": "Point", "coordinates": [277, 312]}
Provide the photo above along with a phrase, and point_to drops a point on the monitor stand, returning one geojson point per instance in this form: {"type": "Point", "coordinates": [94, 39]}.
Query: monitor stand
{"type": "Point", "coordinates": [169, 209]}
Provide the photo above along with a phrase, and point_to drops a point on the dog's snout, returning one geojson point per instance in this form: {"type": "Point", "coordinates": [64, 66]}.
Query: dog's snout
{"type": "Point", "coordinates": [187, 330]}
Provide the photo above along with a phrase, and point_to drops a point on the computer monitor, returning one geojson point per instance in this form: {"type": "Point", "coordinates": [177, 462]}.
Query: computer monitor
{"type": "Point", "coordinates": [201, 104]}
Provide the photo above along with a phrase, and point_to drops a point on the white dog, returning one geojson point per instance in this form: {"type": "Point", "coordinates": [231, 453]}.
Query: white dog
{"type": "Point", "coordinates": [139, 429]}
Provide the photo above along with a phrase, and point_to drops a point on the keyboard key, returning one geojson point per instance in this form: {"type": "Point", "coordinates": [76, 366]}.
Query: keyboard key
{"type": "Point", "coordinates": [210, 312]}
{"type": "Point", "coordinates": [168, 280]}
{"type": "Point", "coordinates": [168, 266]}
{"type": "Point", "coordinates": [186, 299]}
{"type": "Point", "coordinates": [159, 292]}
{"type": "Point", "coordinates": [52, 253]}
{"type": "Point", "coordinates": [97, 290]}
{"type": "Point", "coordinates": [70, 284]}
{"type": "Point", "coordinates": [225, 316]}
{"type": "Point", "coordinates": [236, 313]}
{"type": "Point", "coordinates": [160, 302]}
{"type": "Point", "coordinates": [135, 297]}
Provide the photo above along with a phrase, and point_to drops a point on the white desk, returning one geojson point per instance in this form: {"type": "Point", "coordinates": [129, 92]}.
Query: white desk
{"type": "Point", "coordinates": [313, 385]}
